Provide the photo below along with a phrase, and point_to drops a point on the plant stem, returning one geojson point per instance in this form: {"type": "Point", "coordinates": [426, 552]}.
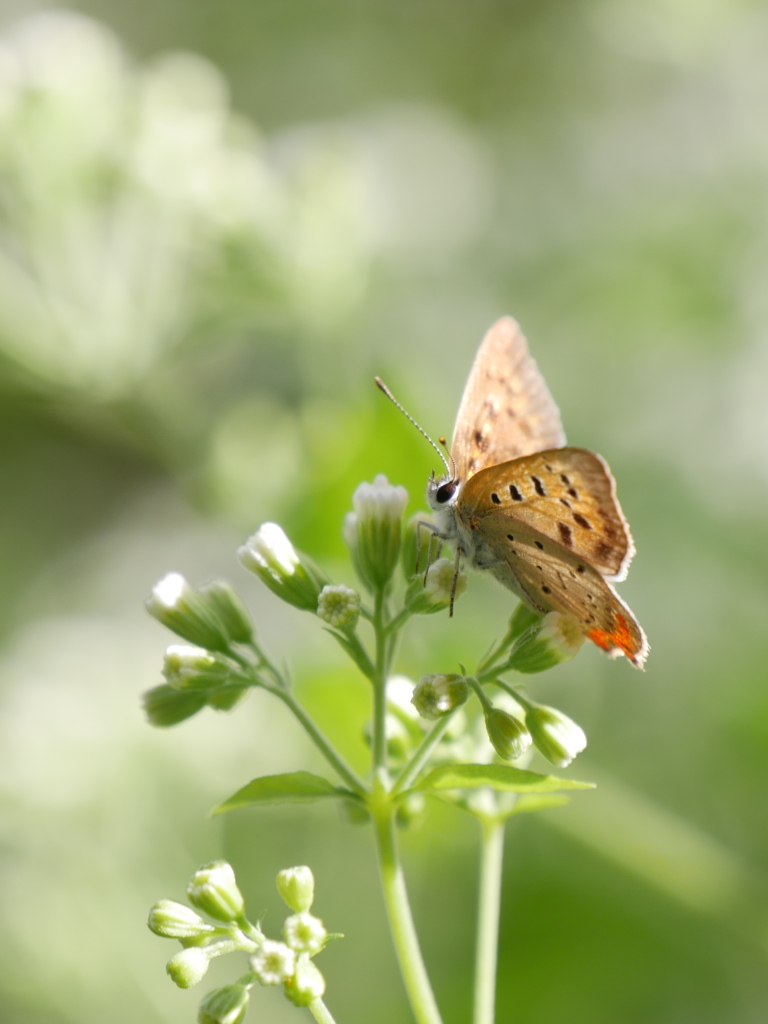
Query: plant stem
{"type": "Point", "coordinates": [419, 759]}
{"type": "Point", "coordinates": [321, 742]}
{"type": "Point", "coordinates": [380, 690]}
{"type": "Point", "coordinates": [320, 1012]}
{"type": "Point", "coordinates": [400, 920]}
{"type": "Point", "coordinates": [489, 900]}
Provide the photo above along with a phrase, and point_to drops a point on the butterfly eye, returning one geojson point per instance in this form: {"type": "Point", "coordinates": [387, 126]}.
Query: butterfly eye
{"type": "Point", "coordinates": [446, 492]}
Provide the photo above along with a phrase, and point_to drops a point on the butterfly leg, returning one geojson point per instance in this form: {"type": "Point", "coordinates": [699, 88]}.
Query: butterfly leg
{"type": "Point", "coordinates": [434, 534]}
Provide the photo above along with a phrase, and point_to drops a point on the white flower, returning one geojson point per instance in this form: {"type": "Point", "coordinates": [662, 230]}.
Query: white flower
{"type": "Point", "coordinates": [555, 735]}
{"type": "Point", "coordinates": [186, 666]}
{"type": "Point", "coordinates": [181, 608]}
{"type": "Point", "coordinates": [269, 549]}
{"type": "Point", "coordinates": [556, 638]}
{"type": "Point", "coordinates": [380, 500]}
{"type": "Point", "coordinates": [169, 593]}
{"type": "Point", "coordinates": [273, 962]}
{"type": "Point", "coordinates": [304, 933]}
{"type": "Point", "coordinates": [188, 967]}
{"type": "Point", "coordinates": [339, 606]}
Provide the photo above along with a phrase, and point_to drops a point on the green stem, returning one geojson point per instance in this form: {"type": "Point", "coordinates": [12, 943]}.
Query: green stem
{"type": "Point", "coordinates": [420, 756]}
{"type": "Point", "coordinates": [380, 690]}
{"type": "Point", "coordinates": [320, 1012]}
{"type": "Point", "coordinates": [400, 920]}
{"type": "Point", "coordinates": [321, 742]}
{"type": "Point", "coordinates": [491, 856]}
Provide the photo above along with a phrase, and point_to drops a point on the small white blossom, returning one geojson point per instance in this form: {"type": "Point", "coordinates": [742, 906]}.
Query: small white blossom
{"type": "Point", "coordinates": [508, 734]}
{"type": "Point", "coordinates": [304, 932]}
{"type": "Point", "coordinates": [437, 695]}
{"type": "Point", "coordinates": [306, 985]}
{"type": "Point", "coordinates": [213, 889]}
{"type": "Point", "coordinates": [424, 597]}
{"type": "Point", "coordinates": [188, 967]}
{"type": "Point", "coordinates": [555, 735]}
{"type": "Point", "coordinates": [269, 549]}
{"type": "Point", "coordinates": [555, 639]}
{"type": "Point", "coordinates": [273, 962]}
{"type": "Point", "coordinates": [181, 608]}
{"type": "Point", "coordinates": [380, 500]}
{"type": "Point", "coordinates": [297, 887]}
{"type": "Point", "coordinates": [186, 666]}
{"type": "Point", "coordinates": [173, 920]}
{"type": "Point", "coordinates": [169, 593]}
{"type": "Point", "coordinates": [339, 606]}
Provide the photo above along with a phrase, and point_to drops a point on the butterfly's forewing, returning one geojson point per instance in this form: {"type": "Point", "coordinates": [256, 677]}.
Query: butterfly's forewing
{"type": "Point", "coordinates": [553, 578]}
{"type": "Point", "coordinates": [506, 410]}
{"type": "Point", "coordinates": [568, 495]}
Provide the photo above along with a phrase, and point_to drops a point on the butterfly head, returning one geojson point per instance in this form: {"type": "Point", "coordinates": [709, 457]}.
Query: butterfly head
{"type": "Point", "coordinates": [442, 491]}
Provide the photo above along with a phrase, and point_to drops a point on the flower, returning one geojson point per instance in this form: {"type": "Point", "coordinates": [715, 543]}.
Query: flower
{"type": "Point", "coordinates": [434, 593]}
{"type": "Point", "coordinates": [187, 667]}
{"type": "Point", "coordinates": [181, 608]}
{"type": "Point", "coordinates": [509, 736]}
{"type": "Point", "coordinates": [229, 607]}
{"type": "Point", "coordinates": [297, 887]}
{"type": "Point", "coordinates": [438, 695]}
{"type": "Point", "coordinates": [339, 606]}
{"type": "Point", "coordinates": [373, 530]}
{"type": "Point", "coordinates": [188, 967]}
{"type": "Point", "coordinates": [271, 556]}
{"type": "Point", "coordinates": [213, 890]}
{"type": "Point", "coordinates": [273, 962]}
{"type": "Point", "coordinates": [306, 985]}
{"type": "Point", "coordinates": [554, 639]}
{"type": "Point", "coordinates": [173, 920]}
{"type": "Point", "coordinates": [304, 933]}
{"type": "Point", "coordinates": [224, 1005]}
{"type": "Point", "coordinates": [555, 735]}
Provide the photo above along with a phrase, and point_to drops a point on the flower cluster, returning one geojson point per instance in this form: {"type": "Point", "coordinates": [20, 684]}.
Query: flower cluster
{"type": "Point", "coordinates": [213, 890]}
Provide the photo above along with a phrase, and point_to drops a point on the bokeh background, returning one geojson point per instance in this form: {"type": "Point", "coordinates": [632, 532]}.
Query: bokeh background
{"type": "Point", "coordinates": [217, 222]}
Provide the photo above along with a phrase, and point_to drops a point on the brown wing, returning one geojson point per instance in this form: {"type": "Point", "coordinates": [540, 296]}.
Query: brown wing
{"type": "Point", "coordinates": [554, 578]}
{"type": "Point", "coordinates": [506, 410]}
{"type": "Point", "coordinates": [568, 495]}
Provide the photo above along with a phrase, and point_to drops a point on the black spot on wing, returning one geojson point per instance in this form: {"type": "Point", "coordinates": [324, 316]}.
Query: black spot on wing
{"type": "Point", "coordinates": [538, 486]}
{"type": "Point", "coordinates": [495, 498]}
{"type": "Point", "coordinates": [582, 520]}
{"type": "Point", "coordinates": [566, 534]}
{"type": "Point", "coordinates": [515, 492]}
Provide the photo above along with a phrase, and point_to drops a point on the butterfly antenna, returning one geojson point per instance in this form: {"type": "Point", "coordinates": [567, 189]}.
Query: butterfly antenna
{"type": "Point", "coordinates": [383, 387]}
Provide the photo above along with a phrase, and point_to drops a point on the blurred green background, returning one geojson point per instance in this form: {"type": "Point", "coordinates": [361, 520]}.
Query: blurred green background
{"type": "Point", "coordinates": [217, 223]}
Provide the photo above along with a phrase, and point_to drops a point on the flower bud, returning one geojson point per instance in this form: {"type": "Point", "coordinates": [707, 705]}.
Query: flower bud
{"type": "Point", "coordinates": [176, 604]}
{"type": "Point", "coordinates": [213, 890]}
{"type": "Point", "coordinates": [509, 736]}
{"type": "Point", "coordinates": [433, 595]}
{"type": "Point", "coordinates": [415, 549]}
{"type": "Point", "coordinates": [437, 695]}
{"type": "Point", "coordinates": [306, 985]}
{"type": "Point", "coordinates": [297, 887]}
{"type": "Point", "coordinates": [188, 967]}
{"type": "Point", "coordinates": [271, 556]}
{"type": "Point", "coordinates": [172, 920]}
{"type": "Point", "coordinates": [555, 735]}
{"type": "Point", "coordinates": [225, 697]}
{"type": "Point", "coordinates": [273, 962]}
{"type": "Point", "coordinates": [304, 933]}
{"type": "Point", "coordinates": [373, 530]}
{"type": "Point", "coordinates": [556, 638]}
{"type": "Point", "coordinates": [231, 610]}
{"type": "Point", "coordinates": [164, 706]}
{"type": "Point", "coordinates": [194, 668]}
{"type": "Point", "coordinates": [339, 606]}
{"type": "Point", "coordinates": [224, 1005]}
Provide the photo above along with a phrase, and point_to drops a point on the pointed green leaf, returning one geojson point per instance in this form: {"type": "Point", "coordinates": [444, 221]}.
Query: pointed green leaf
{"type": "Point", "coordinates": [536, 802]}
{"type": "Point", "coordinates": [502, 777]}
{"type": "Point", "coordinates": [293, 787]}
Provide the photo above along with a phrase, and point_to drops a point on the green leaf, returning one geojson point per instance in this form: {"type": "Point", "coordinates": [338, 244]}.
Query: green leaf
{"type": "Point", "coordinates": [293, 787]}
{"type": "Point", "coordinates": [502, 777]}
{"type": "Point", "coordinates": [536, 802]}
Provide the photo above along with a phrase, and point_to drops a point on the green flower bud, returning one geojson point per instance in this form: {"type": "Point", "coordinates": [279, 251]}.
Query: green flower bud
{"type": "Point", "coordinates": [231, 610]}
{"type": "Point", "coordinates": [416, 537]}
{"type": "Point", "coordinates": [273, 962]}
{"type": "Point", "coordinates": [225, 697]}
{"type": "Point", "coordinates": [297, 887]}
{"type": "Point", "coordinates": [271, 556]}
{"type": "Point", "coordinates": [339, 606]}
{"type": "Point", "coordinates": [509, 736]}
{"type": "Point", "coordinates": [176, 604]}
{"type": "Point", "coordinates": [373, 530]}
{"type": "Point", "coordinates": [193, 668]}
{"type": "Point", "coordinates": [554, 639]}
{"type": "Point", "coordinates": [433, 595]}
{"type": "Point", "coordinates": [173, 920]}
{"type": "Point", "coordinates": [437, 695]}
{"type": "Point", "coordinates": [306, 985]}
{"type": "Point", "coordinates": [224, 1005]}
{"type": "Point", "coordinates": [304, 933]}
{"type": "Point", "coordinates": [213, 890]}
{"type": "Point", "coordinates": [555, 735]}
{"type": "Point", "coordinates": [164, 706]}
{"type": "Point", "coordinates": [188, 967]}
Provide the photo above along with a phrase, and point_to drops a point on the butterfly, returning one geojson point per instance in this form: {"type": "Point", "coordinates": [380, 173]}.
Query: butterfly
{"type": "Point", "coordinates": [541, 517]}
